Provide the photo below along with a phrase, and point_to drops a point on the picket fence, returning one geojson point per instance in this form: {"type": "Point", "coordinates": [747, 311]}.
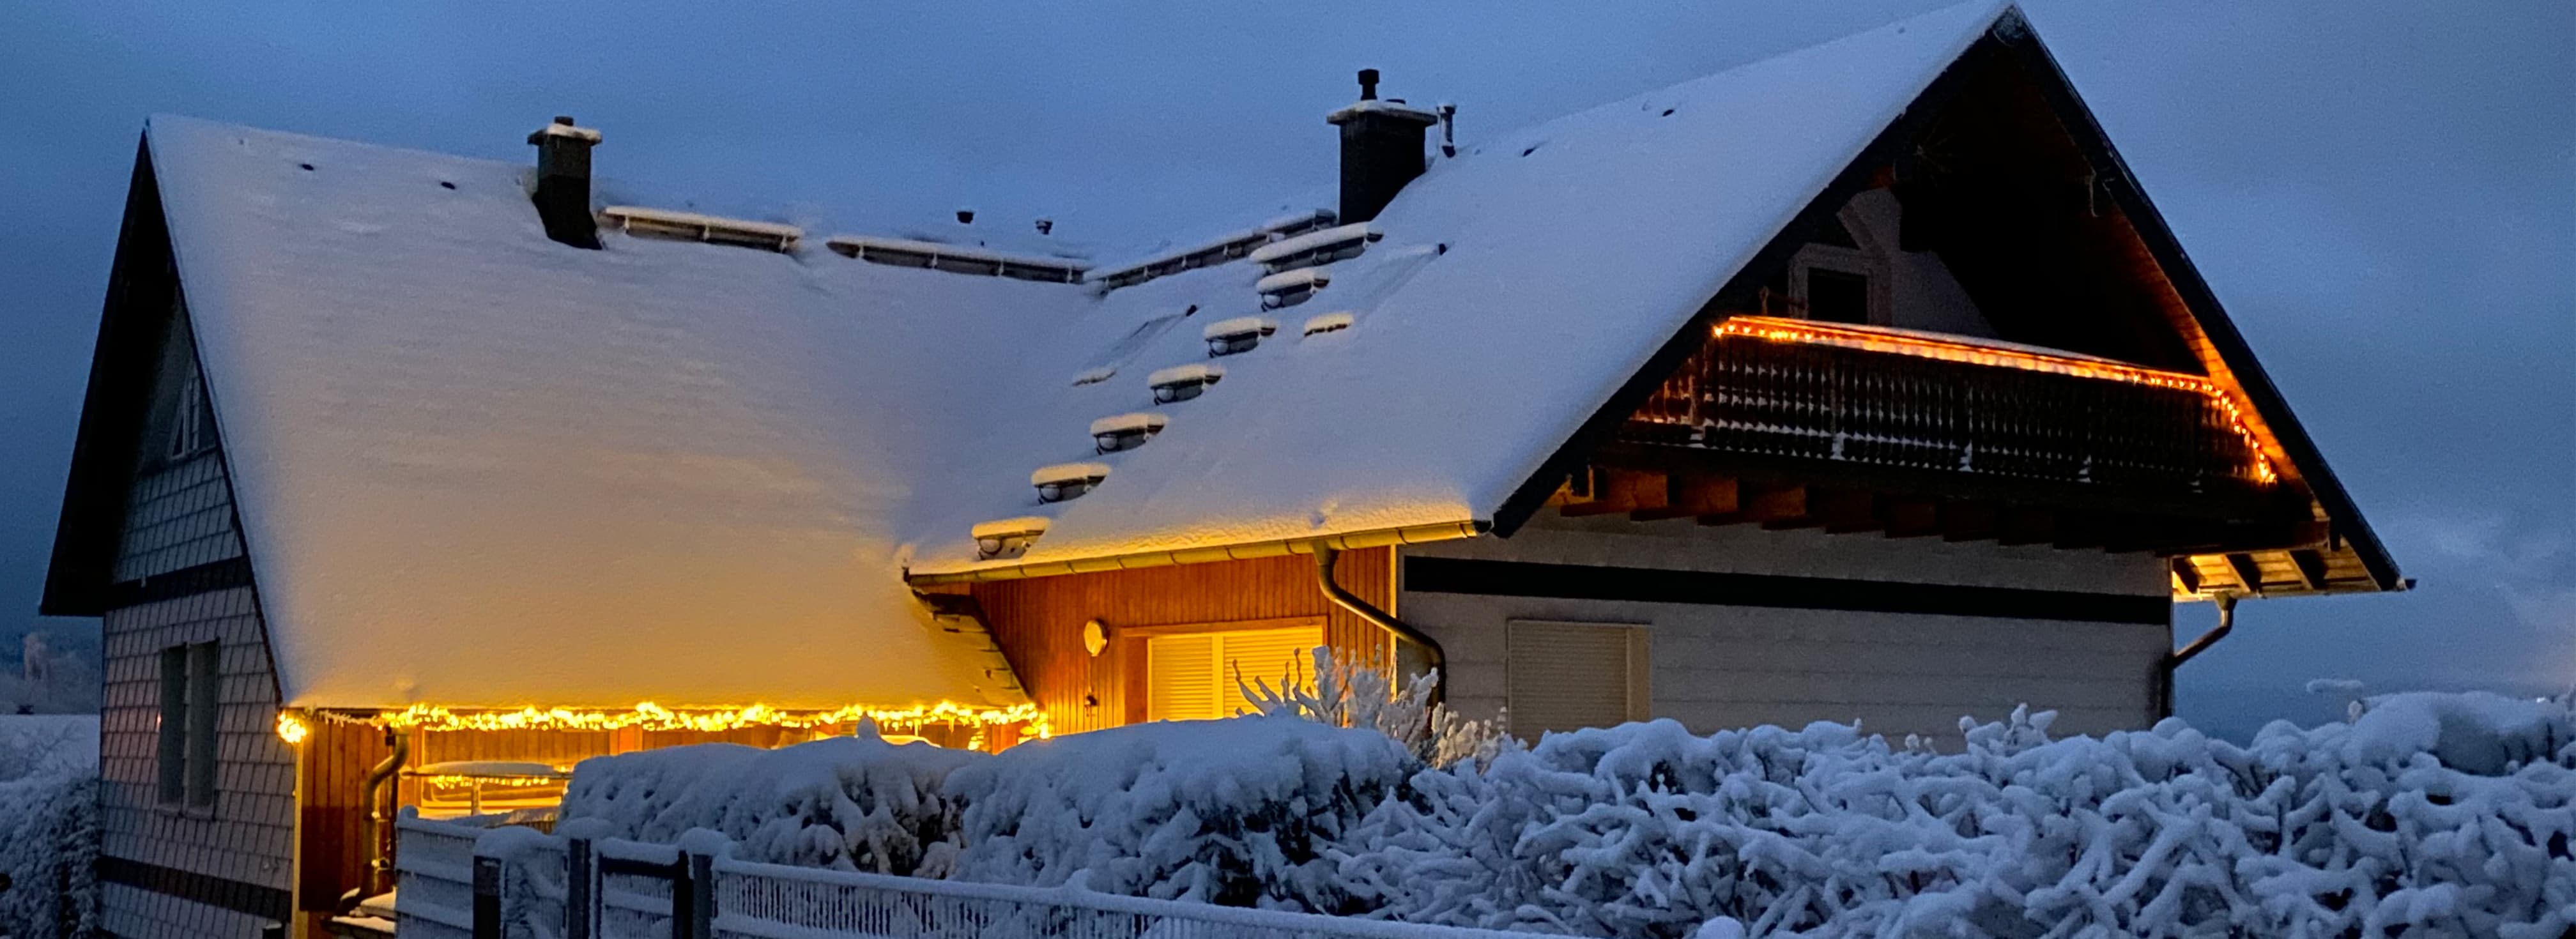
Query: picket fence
{"type": "Point", "coordinates": [460, 880]}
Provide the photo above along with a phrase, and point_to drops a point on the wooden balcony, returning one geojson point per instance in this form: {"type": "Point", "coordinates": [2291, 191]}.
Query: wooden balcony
{"type": "Point", "coordinates": [1872, 429]}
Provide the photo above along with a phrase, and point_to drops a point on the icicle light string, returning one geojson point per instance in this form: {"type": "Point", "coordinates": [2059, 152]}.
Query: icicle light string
{"type": "Point", "coordinates": [651, 716]}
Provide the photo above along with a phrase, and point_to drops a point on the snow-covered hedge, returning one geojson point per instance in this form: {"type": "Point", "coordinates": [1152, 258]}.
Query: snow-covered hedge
{"type": "Point", "coordinates": [51, 844]}
{"type": "Point", "coordinates": [2452, 814]}
{"type": "Point", "coordinates": [853, 803]}
{"type": "Point", "coordinates": [2427, 815]}
{"type": "Point", "coordinates": [1240, 812]}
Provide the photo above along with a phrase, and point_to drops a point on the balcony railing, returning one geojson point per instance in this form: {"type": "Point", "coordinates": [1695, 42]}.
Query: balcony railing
{"type": "Point", "coordinates": [1897, 399]}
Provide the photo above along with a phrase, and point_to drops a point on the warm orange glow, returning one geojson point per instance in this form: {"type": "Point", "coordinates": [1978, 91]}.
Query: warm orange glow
{"type": "Point", "coordinates": [1777, 329]}
{"type": "Point", "coordinates": [292, 728]}
{"type": "Point", "coordinates": [650, 716]}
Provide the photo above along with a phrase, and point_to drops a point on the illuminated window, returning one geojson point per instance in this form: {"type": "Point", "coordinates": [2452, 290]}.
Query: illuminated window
{"type": "Point", "coordinates": [1194, 676]}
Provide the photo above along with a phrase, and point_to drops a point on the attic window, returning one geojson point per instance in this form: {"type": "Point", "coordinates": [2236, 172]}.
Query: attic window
{"type": "Point", "coordinates": [665, 224]}
{"type": "Point", "coordinates": [1291, 287]}
{"type": "Point", "coordinates": [1240, 334]}
{"type": "Point", "coordinates": [1067, 481]}
{"type": "Point", "coordinates": [1125, 431]}
{"type": "Point", "coordinates": [1183, 382]}
{"type": "Point", "coordinates": [1322, 246]}
{"type": "Point", "coordinates": [1329, 323]}
{"type": "Point", "coordinates": [1007, 537]}
{"type": "Point", "coordinates": [955, 259]}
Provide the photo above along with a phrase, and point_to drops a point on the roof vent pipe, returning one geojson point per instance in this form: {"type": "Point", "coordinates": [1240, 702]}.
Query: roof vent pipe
{"type": "Point", "coordinates": [1381, 149]}
{"type": "Point", "coordinates": [563, 182]}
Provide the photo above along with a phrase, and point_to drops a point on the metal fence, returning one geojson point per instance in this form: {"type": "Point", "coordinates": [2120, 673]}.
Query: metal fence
{"type": "Point", "coordinates": [532, 885]}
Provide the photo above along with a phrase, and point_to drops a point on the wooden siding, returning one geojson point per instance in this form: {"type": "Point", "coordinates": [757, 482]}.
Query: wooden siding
{"type": "Point", "coordinates": [1039, 623]}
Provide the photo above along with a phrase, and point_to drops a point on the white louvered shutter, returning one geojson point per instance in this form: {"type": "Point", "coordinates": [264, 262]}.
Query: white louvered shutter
{"type": "Point", "coordinates": [1193, 676]}
{"type": "Point", "coordinates": [1276, 656]}
{"type": "Point", "coordinates": [1181, 678]}
{"type": "Point", "coordinates": [1563, 676]}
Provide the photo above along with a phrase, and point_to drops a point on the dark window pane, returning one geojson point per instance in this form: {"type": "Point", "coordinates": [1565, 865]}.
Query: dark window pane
{"type": "Point", "coordinates": [1837, 297]}
{"type": "Point", "coordinates": [173, 754]}
{"type": "Point", "coordinates": [204, 701]}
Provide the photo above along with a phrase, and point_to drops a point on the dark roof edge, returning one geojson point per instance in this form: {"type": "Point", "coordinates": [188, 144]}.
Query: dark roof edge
{"type": "Point", "coordinates": [2342, 514]}
{"type": "Point", "coordinates": [1604, 423]}
{"type": "Point", "coordinates": [94, 496]}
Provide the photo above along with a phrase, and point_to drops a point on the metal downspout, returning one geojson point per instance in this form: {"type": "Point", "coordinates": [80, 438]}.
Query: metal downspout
{"type": "Point", "coordinates": [1325, 556]}
{"type": "Point", "coordinates": [380, 860]}
{"type": "Point", "coordinates": [2226, 624]}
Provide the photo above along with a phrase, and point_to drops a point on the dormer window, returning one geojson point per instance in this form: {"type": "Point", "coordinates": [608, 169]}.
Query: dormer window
{"type": "Point", "coordinates": [1323, 246]}
{"type": "Point", "coordinates": [671, 225]}
{"type": "Point", "coordinates": [1240, 334]}
{"type": "Point", "coordinates": [1067, 481]}
{"type": "Point", "coordinates": [1290, 288]}
{"type": "Point", "coordinates": [1007, 537]}
{"type": "Point", "coordinates": [1183, 382]}
{"type": "Point", "coordinates": [1126, 431]}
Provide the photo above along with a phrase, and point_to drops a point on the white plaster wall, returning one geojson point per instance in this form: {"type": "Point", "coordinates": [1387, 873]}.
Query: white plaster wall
{"type": "Point", "coordinates": [1923, 294]}
{"type": "Point", "coordinates": [1715, 667]}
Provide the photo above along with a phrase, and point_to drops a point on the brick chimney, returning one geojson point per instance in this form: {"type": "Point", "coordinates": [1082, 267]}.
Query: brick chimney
{"type": "Point", "coordinates": [1381, 149]}
{"type": "Point", "coordinates": [563, 182]}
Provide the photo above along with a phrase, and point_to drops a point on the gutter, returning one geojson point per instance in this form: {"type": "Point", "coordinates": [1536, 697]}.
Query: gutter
{"type": "Point", "coordinates": [1413, 534]}
{"type": "Point", "coordinates": [2226, 624]}
{"type": "Point", "coordinates": [1438, 658]}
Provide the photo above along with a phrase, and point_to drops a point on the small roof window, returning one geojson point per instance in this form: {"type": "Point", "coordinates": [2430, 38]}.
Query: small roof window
{"type": "Point", "coordinates": [1240, 334]}
{"type": "Point", "coordinates": [1007, 537]}
{"type": "Point", "coordinates": [1126, 431]}
{"type": "Point", "coordinates": [667, 224]}
{"type": "Point", "coordinates": [1183, 382]}
{"type": "Point", "coordinates": [1067, 481]}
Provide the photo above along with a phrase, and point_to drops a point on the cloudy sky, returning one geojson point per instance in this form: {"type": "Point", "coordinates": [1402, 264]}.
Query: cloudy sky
{"type": "Point", "coordinates": [2383, 193]}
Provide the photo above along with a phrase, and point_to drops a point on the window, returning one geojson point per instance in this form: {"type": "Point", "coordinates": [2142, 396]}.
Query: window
{"type": "Point", "coordinates": [1193, 676]}
{"type": "Point", "coordinates": [188, 418]}
{"type": "Point", "coordinates": [1837, 296]}
{"type": "Point", "coordinates": [1564, 676]}
{"type": "Point", "coordinates": [190, 699]}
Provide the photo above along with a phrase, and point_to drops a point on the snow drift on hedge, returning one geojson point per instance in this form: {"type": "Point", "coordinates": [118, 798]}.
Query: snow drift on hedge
{"type": "Point", "coordinates": [48, 805]}
{"type": "Point", "coordinates": [851, 803]}
{"type": "Point", "coordinates": [1240, 811]}
{"type": "Point", "coordinates": [2444, 815]}
{"type": "Point", "coordinates": [2448, 813]}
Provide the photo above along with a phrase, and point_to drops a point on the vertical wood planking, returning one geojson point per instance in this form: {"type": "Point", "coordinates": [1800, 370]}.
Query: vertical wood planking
{"type": "Point", "coordinates": [1039, 622]}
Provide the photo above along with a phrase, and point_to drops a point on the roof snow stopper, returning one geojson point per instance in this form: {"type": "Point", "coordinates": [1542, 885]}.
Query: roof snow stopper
{"type": "Point", "coordinates": [1006, 537]}
{"type": "Point", "coordinates": [1183, 382]}
{"type": "Point", "coordinates": [1329, 322]}
{"type": "Point", "coordinates": [1067, 481]}
{"type": "Point", "coordinates": [1126, 431]}
{"type": "Point", "coordinates": [1240, 334]}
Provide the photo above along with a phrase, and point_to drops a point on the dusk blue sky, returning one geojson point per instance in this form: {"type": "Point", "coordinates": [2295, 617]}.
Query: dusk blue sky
{"type": "Point", "coordinates": [2383, 194]}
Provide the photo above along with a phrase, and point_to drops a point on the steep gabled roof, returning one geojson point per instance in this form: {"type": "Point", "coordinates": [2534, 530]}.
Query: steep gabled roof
{"type": "Point", "coordinates": [479, 468]}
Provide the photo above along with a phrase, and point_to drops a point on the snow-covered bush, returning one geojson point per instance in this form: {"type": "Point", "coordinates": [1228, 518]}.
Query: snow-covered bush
{"type": "Point", "coordinates": [1241, 811]}
{"type": "Point", "coordinates": [1357, 696]}
{"type": "Point", "coordinates": [49, 807]}
{"type": "Point", "coordinates": [852, 803]}
{"type": "Point", "coordinates": [2451, 814]}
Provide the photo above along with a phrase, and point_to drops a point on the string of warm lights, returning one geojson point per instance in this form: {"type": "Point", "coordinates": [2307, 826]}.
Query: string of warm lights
{"type": "Point", "coordinates": [1776, 329]}
{"type": "Point", "coordinates": [654, 717]}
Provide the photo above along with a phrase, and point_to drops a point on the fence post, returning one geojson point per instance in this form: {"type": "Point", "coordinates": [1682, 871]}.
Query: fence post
{"type": "Point", "coordinates": [581, 901]}
{"type": "Point", "coordinates": [701, 887]}
{"type": "Point", "coordinates": [487, 897]}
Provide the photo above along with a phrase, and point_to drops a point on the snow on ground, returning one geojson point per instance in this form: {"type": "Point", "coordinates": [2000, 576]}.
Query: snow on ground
{"type": "Point", "coordinates": [2431, 814]}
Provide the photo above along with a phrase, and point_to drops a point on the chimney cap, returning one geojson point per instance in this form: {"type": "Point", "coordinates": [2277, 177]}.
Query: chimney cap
{"type": "Point", "coordinates": [564, 127]}
{"type": "Point", "coordinates": [1368, 84]}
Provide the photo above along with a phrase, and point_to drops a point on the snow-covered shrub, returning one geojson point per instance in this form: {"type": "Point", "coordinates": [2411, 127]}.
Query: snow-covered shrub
{"type": "Point", "coordinates": [1346, 695]}
{"type": "Point", "coordinates": [1239, 811]}
{"type": "Point", "coordinates": [51, 848]}
{"type": "Point", "coordinates": [2450, 814]}
{"type": "Point", "coordinates": [853, 803]}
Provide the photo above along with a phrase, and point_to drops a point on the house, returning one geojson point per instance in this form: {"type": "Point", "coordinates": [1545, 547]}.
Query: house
{"type": "Point", "coordinates": [1861, 382]}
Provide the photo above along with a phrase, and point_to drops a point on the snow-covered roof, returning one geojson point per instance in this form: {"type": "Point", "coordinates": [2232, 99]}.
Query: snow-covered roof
{"type": "Point", "coordinates": [480, 468]}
